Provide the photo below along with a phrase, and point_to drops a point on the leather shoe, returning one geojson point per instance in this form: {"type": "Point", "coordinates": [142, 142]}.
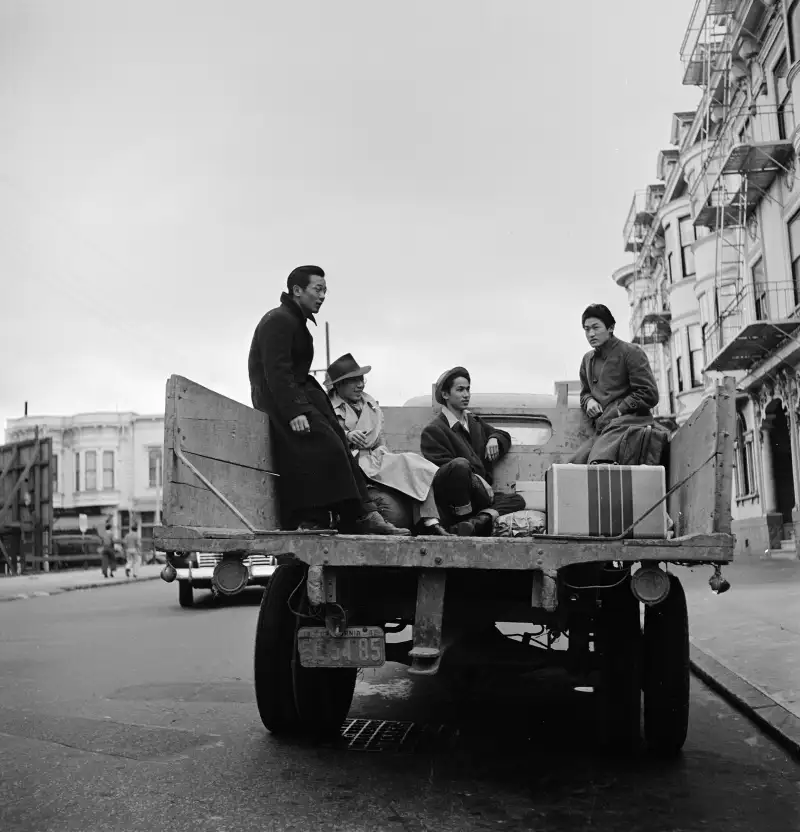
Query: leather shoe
{"type": "Point", "coordinates": [434, 529]}
{"type": "Point", "coordinates": [373, 523]}
{"type": "Point", "coordinates": [479, 526]}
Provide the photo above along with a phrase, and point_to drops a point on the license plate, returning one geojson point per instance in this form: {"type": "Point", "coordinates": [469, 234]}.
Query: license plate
{"type": "Point", "coordinates": [358, 647]}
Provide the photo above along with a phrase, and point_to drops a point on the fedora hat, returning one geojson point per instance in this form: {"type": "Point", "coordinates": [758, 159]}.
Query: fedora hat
{"type": "Point", "coordinates": [343, 368]}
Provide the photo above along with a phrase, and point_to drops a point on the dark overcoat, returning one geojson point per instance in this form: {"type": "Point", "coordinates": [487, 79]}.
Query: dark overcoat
{"type": "Point", "coordinates": [440, 443]}
{"type": "Point", "coordinates": [315, 468]}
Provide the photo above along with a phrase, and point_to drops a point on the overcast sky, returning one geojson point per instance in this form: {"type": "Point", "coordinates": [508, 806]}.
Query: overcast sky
{"type": "Point", "coordinates": [460, 168]}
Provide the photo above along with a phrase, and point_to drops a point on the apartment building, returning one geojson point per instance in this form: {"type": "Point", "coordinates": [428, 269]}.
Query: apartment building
{"type": "Point", "coordinates": [104, 465]}
{"type": "Point", "coordinates": [714, 273]}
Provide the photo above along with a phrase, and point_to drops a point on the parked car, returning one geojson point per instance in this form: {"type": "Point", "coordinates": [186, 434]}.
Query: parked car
{"type": "Point", "coordinates": [196, 569]}
{"type": "Point", "coordinates": [72, 549]}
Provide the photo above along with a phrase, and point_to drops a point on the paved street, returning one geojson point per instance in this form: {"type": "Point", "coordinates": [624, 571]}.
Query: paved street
{"type": "Point", "coordinates": [121, 711]}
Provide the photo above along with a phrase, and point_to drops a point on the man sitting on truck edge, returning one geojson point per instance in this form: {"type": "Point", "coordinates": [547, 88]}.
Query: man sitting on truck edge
{"type": "Point", "coordinates": [618, 390]}
{"type": "Point", "coordinates": [318, 476]}
{"type": "Point", "coordinates": [386, 472]}
{"type": "Point", "coordinates": [465, 448]}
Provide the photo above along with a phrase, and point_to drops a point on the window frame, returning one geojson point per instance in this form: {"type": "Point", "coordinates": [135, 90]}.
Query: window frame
{"type": "Point", "coordinates": [77, 471]}
{"type": "Point", "coordinates": [110, 470]}
{"type": "Point", "coordinates": [687, 222]}
{"type": "Point", "coordinates": [696, 356]}
{"type": "Point", "coordinates": [90, 471]}
{"type": "Point", "coordinates": [155, 473]}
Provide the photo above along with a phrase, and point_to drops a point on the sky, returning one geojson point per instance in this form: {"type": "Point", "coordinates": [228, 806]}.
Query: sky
{"type": "Point", "coordinates": [461, 169]}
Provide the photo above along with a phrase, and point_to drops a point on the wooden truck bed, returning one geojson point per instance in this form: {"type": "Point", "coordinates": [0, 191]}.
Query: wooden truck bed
{"type": "Point", "coordinates": [220, 491]}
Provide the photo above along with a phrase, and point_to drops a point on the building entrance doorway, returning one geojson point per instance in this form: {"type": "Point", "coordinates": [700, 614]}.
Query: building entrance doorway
{"type": "Point", "coordinates": [782, 465]}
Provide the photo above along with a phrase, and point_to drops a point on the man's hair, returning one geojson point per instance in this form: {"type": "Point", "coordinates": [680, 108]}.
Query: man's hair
{"type": "Point", "coordinates": [301, 276]}
{"type": "Point", "coordinates": [601, 312]}
{"type": "Point", "coordinates": [447, 384]}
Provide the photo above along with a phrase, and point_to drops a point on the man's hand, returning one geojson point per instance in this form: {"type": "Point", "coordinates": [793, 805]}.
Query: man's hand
{"type": "Point", "coordinates": [358, 438]}
{"type": "Point", "coordinates": [593, 408]}
{"type": "Point", "coordinates": [492, 449]}
{"type": "Point", "coordinates": [300, 424]}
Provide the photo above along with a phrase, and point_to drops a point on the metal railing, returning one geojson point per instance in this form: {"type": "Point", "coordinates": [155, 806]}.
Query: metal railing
{"type": "Point", "coordinates": [643, 209]}
{"type": "Point", "coordinates": [759, 123]}
{"type": "Point", "coordinates": [769, 301]}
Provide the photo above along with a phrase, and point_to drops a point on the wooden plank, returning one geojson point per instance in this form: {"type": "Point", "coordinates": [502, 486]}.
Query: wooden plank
{"type": "Point", "coordinates": [228, 440]}
{"type": "Point", "coordinates": [703, 504]}
{"type": "Point", "coordinates": [228, 443]}
{"type": "Point", "coordinates": [539, 553]}
{"type": "Point", "coordinates": [189, 502]}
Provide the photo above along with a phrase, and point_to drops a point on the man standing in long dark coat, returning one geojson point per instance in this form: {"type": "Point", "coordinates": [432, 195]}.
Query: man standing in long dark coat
{"type": "Point", "coordinates": [318, 476]}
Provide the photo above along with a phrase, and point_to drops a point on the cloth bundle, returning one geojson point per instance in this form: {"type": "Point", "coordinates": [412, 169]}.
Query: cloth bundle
{"type": "Point", "coordinates": [525, 523]}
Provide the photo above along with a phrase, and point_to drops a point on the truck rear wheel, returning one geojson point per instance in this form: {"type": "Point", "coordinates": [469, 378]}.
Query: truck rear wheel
{"type": "Point", "coordinates": [292, 698]}
{"type": "Point", "coordinates": [666, 672]}
{"type": "Point", "coordinates": [185, 594]}
{"type": "Point", "coordinates": [618, 636]}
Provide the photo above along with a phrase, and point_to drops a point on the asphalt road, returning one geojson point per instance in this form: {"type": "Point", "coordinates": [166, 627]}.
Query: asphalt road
{"type": "Point", "coordinates": [121, 711]}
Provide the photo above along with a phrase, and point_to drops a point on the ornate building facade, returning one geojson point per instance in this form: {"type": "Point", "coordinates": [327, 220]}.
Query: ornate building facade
{"type": "Point", "coordinates": [714, 272]}
{"type": "Point", "coordinates": [104, 465]}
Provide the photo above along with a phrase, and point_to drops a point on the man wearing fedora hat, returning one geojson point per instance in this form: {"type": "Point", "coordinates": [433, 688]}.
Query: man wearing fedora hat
{"type": "Point", "coordinates": [361, 419]}
{"type": "Point", "coordinates": [318, 476]}
{"type": "Point", "coordinates": [465, 449]}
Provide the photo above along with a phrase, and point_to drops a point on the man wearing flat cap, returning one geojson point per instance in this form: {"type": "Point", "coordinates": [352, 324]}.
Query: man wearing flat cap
{"type": "Point", "coordinates": [318, 476]}
{"type": "Point", "coordinates": [465, 449]}
{"type": "Point", "coordinates": [361, 419]}
{"type": "Point", "coordinates": [618, 388]}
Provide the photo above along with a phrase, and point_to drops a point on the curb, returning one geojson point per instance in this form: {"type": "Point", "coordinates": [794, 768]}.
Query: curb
{"type": "Point", "coordinates": [24, 596]}
{"type": "Point", "coordinates": [781, 724]}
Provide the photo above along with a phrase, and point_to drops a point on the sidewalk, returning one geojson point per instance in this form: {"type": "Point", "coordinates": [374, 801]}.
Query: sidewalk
{"type": "Point", "coordinates": [746, 642]}
{"type": "Point", "coordinates": [40, 584]}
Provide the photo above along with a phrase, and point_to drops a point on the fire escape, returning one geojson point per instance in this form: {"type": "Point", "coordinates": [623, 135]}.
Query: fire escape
{"type": "Point", "coordinates": [747, 148]}
{"type": "Point", "coordinates": [650, 317]}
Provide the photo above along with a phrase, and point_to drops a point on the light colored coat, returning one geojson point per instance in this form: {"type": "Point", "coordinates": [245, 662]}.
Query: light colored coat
{"type": "Point", "coordinates": [408, 473]}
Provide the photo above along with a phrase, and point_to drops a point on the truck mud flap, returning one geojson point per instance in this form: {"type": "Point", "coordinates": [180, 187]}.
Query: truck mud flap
{"type": "Point", "coordinates": [426, 652]}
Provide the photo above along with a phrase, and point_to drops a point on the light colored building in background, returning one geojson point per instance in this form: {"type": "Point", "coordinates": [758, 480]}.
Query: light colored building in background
{"type": "Point", "coordinates": [104, 464]}
{"type": "Point", "coordinates": [714, 277]}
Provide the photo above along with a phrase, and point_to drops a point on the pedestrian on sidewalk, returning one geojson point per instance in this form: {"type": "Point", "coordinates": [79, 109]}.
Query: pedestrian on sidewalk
{"type": "Point", "coordinates": [108, 551]}
{"type": "Point", "coordinates": [133, 551]}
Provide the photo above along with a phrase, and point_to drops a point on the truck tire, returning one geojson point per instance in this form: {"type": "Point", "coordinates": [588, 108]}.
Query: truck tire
{"type": "Point", "coordinates": [618, 635]}
{"type": "Point", "coordinates": [274, 653]}
{"type": "Point", "coordinates": [185, 594]}
{"type": "Point", "coordinates": [666, 672]}
{"type": "Point", "coordinates": [293, 699]}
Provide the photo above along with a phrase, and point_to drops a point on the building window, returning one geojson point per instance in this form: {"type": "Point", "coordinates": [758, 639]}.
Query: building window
{"type": "Point", "coordinates": [77, 472]}
{"type": "Point", "coordinates": [794, 253]}
{"type": "Point", "coordinates": [54, 467]}
{"type": "Point", "coordinates": [793, 19]}
{"type": "Point", "coordinates": [687, 237]}
{"type": "Point", "coordinates": [91, 470]}
{"type": "Point", "coordinates": [669, 268]}
{"type": "Point", "coordinates": [760, 291]}
{"type": "Point", "coordinates": [154, 468]}
{"type": "Point", "coordinates": [670, 390]}
{"type": "Point", "coordinates": [695, 355]}
{"type": "Point", "coordinates": [743, 458]}
{"type": "Point", "coordinates": [108, 470]}
{"type": "Point", "coordinates": [679, 369]}
{"type": "Point", "coordinates": [783, 99]}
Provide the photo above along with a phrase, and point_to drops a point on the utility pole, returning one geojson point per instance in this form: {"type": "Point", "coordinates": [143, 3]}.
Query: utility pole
{"type": "Point", "coordinates": [327, 344]}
